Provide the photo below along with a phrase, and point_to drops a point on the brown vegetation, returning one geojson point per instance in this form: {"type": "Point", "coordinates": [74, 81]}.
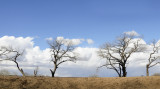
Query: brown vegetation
{"type": "Point", "coordinates": [15, 82]}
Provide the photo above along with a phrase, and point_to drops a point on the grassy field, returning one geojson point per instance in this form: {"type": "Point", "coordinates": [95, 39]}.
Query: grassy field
{"type": "Point", "coordinates": [15, 82]}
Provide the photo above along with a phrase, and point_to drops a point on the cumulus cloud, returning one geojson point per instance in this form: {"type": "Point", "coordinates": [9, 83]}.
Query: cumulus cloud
{"type": "Point", "coordinates": [49, 39]}
{"type": "Point", "coordinates": [72, 41]}
{"type": "Point", "coordinates": [85, 66]}
{"type": "Point", "coordinates": [66, 41]}
{"type": "Point", "coordinates": [133, 33]}
{"type": "Point", "coordinates": [158, 43]}
{"type": "Point", "coordinates": [90, 41]}
{"type": "Point", "coordinates": [17, 42]}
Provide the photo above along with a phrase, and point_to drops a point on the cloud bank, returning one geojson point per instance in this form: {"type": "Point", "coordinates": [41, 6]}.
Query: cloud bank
{"type": "Point", "coordinates": [73, 41]}
{"type": "Point", "coordinates": [84, 67]}
{"type": "Point", "coordinates": [133, 33]}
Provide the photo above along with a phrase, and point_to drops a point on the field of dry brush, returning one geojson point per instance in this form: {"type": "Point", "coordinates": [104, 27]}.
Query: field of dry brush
{"type": "Point", "coordinates": [16, 82]}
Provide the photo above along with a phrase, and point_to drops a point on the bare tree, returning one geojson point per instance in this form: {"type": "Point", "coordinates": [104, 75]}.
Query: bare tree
{"type": "Point", "coordinates": [8, 53]}
{"type": "Point", "coordinates": [153, 57]}
{"type": "Point", "coordinates": [118, 53]}
{"type": "Point", "coordinates": [36, 71]}
{"type": "Point", "coordinates": [61, 51]}
{"type": "Point", "coordinates": [3, 52]}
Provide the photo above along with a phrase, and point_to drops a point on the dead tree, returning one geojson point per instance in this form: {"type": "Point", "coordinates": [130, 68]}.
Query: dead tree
{"type": "Point", "coordinates": [61, 51]}
{"type": "Point", "coordinates": [153, 57]}
{"type": "Point", "coordinates": [3, 52]}
{"type": "Point", "coordinates": [8, 53]}
{"type": "Point", "coordinates": [36, 71]}
{"type": "Point", "coordinates": [118, 53]}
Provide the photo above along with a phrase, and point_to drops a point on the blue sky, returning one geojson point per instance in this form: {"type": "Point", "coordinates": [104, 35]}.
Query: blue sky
{"type": "Point", "coordinates": [99, 20]}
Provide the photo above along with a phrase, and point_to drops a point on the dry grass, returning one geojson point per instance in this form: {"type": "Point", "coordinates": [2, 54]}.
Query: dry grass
{"type": "Point", "coordinates": [15, 82]}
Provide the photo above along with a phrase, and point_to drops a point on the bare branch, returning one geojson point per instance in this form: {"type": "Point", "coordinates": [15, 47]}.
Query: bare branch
{"type": "Point", "coordinates": [117, 54]}
{"type": "Point", "coordinates": [61, 51]}
{"type": "Point", "coordinates": [154, 64]}
{"type": "Point", "coordinates": [152, 60]}
{"type": "Point", "coordinates": [6, 51]}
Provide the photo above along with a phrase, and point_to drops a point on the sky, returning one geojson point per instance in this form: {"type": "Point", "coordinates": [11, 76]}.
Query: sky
{"type": "Point", "coordinates": [100, 20]}
{"type": "Point", "coordinates": [90, 22]}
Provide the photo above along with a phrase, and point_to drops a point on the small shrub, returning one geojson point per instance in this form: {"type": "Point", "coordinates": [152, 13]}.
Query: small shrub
{"type": "Point", "coordinates": [36, 70]}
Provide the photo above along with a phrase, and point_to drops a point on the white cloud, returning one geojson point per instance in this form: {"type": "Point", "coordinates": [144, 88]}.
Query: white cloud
{"type": "Point", "coordinates": [133, 33]}
{"type": "Point", "coordinates": [85, 66]}
{"type": "Point", "coordinates": [72, 41]}
{"type": "Point", "coordinates": [90, 41]}
{"type": "Point", "coordinates": [158, 43]}
{"type": "Point", "coordinates": [17, 42]}
{"type": "Point", "coordinates": [60, 38]}
{"type": "Point", "coordinates": [75, 41]}
{"type": "Point", "coordinates": [49, 39]}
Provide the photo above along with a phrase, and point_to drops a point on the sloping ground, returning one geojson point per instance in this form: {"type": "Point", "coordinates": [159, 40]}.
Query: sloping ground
{"type": "Point", "coordinates": [15, 82]}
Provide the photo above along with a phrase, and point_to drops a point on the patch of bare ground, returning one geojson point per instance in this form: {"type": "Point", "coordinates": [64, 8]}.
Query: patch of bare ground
{"type": "Point", "coordinates": [16, 82]}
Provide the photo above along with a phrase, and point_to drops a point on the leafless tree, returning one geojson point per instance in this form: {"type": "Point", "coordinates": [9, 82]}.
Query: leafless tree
{"type": "Point", "coordinates": [153, 59]}
{"type": "Point", "coordinates": [61, 51]}
{"type": "Point", "coordinates": [36, 71]}
{"type": "Point", "coordinates": [8, 53]}
{"type": "Point", "coordinates": [118, 53]}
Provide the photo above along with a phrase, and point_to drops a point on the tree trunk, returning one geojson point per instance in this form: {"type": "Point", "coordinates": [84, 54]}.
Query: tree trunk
{"type": "Point", "coordinates": [35, 73]}
{"type": "Point", "coordinates": [119, 75]}
{"type": "Point", "coordinates": [20, 69]}
{"type": "Point", "coordinates": [124, 71]}
{"type": "Point", "coordinates": [53, 71]}
{"type": "Point", "coordinates": [147, 70]}
{"type": "Point", "coordinates": [120, 71]}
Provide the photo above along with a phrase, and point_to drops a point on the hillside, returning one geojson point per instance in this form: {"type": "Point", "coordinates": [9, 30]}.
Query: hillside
{"type": "Point", "coordinates": [15, 82]}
